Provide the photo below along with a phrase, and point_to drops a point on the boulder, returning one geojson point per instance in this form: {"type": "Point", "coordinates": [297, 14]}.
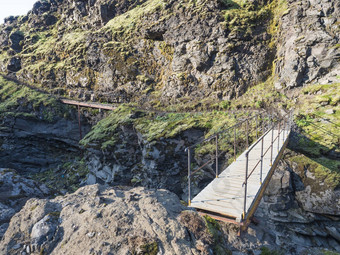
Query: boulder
{"type": "Point", "coordinates": [98, 219]}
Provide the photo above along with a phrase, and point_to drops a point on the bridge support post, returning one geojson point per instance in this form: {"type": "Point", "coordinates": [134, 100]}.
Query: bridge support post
{"type": "Point", "coordinates": [284, 130]}
{"type": "Point", "coordinates": [189, 177]}
{"type": "Point", "coordinates": [217, 156]}
{"type": "Point", "coordinates": [79, 123]}
{"type": "Point", "coordinates": [256, 126]}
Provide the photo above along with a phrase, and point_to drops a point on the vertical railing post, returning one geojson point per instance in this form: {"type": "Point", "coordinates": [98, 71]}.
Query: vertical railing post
{"type": "Point", "coordinates": [271, 145]}
{"type": "Point", "coordinates": [245, 188]}
{"type": "Point", "coordinates": [284, 130]}
{"type": "Point", "coordinates": [262, 124]}
{"type": "Point", "coordinates": [256, 126]}
{"type": "Point", "coordinates": [216, 156]}
{"type": "Point", "coordinates": [79, 123]}
{"type": "Point", "coordinates": [278, 137]}
{"type": "Point", "coordinates": [261, 161]}
{"type": "Point", "coordinates": [189, 177]}
{"type": "Point", "coordinates": [235, 143]}
{"type": "Point", "coordinates": [247, 132]}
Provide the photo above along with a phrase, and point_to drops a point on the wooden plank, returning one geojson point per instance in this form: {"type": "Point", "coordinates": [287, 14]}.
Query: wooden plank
{"type": "Point", "coordinates": [87, 104]}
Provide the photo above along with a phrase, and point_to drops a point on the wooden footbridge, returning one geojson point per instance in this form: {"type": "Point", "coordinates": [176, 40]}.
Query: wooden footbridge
{"type": "Point", "coordinates": [234, 194]}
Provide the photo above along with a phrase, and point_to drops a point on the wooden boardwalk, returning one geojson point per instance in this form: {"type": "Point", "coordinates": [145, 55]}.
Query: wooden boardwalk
{"type": "Point", "coordinates": [224, 196]}
{"type": "Point", "coordinates": [88, 104]}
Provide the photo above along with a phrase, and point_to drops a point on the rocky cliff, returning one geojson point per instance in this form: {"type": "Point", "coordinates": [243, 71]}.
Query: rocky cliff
{"type": "Point", "coordinates": [123, 220]}
{"type": "Point", "coordinates": [159, 52]}
{"type": "Point", "coordinates": [184, 71]}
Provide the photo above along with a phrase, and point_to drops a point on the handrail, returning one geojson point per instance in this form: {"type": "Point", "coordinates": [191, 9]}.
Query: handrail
{"type": "Point", "coordinates": [216, 136]}
{"type": "Point", "coordinates": [278, 123]}
{"type": "Point", "coordinates": [223, 131]}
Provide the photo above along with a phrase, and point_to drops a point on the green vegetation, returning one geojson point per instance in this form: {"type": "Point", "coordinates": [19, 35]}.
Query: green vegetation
{"type": "Point", "coordinates": [324, 169]}
{"type": "Point", "coordinates": [126, 22]}
{"type": "Point", "coordinates": [105, 132]}
{"type": "Point", "coordinates": [150, 248]}
{"type": "Point", "coordinates": [318, 118]}
{"type": "Point", "coordinates": [214, 230]}
{"type": "Point", "coordinates": [267, 251]}
{"type": "Point", "coordinates": [326, 252]}
{"type": "Point", "coordinates": [155, 126]}
{"type": "Point", "coordinates": [242, 15]}
{"type": "Point", "coordinates": [262, 96]}
{"type": "Point", "coordinates": [67, 176]}
{"type": "Point", "coordinates": [19, 100]}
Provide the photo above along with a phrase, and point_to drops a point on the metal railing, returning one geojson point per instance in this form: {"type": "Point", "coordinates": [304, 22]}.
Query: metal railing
{"type": "Point", "coordinates": [286, 123]}
{"type": "Point", "coordinates": [262, 123]}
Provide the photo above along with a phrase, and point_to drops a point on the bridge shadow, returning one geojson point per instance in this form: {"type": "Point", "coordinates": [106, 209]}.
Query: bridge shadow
{"type": "Point", "coordinates": [326, 155]}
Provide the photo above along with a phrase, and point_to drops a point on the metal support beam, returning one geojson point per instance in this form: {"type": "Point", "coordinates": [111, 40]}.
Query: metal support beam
{"type": "Point", "coordinates": [79, 123]}
{"type": "Point", "coordinates": [217, 156]}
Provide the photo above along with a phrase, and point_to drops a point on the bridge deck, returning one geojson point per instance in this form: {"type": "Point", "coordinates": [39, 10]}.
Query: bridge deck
{"type": "Point", "coordinates": [225, 194]}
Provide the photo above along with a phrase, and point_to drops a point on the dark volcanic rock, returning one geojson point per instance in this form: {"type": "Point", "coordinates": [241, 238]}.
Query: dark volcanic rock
{"type": "Point", "coordinates": [32, 145]}
{"type": "Point", "coordinates": [14, 64]}
{"type": "Point", "coordinates": [15, 39]}
{"type": "Point", "coordinates": [308, 39]}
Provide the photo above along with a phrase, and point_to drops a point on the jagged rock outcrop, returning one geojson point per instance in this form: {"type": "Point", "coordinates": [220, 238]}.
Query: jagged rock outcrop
{"type": "Point", "coordinates": [14, 192]}
{"type": "Point", "coordinates": [37, 132]}
{"type": "Point", "coordinates": [126, 220]}
{"type": "Point", "coordinates": [291, 219]}
{"type": "Point", "coordinates": [154, 164]}
{"type": "Point", "coordinates": [308, 44]}
{"type": "Point", "coordinates": [122, 221]}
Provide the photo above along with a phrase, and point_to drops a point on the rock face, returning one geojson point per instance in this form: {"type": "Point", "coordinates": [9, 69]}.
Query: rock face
{"type": "Point", "coordinates": [309, 42]}
{"type": "Point", "coordinates": [97, 220]}
{"type": "Point", "coordinates": [291, 219]}
{"type": "Point", "coordinates": [33, 145]}
{"type": "Point", "coordinates": [14, 192]}
{"type": "Point", "coordinates": [123, 220]}
{"type": "Point", "coordinates": [95, 49]}
{"type": "Point", "coordinates": [136, 161]}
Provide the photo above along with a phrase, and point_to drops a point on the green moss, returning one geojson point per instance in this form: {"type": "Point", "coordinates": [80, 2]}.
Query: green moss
{"type": "Point", "coordinates": [325, 252]}
{"type": "Point", "coordinates": [55, 214]}
{"type": "Point", "coordinates": [126, 22]}
{"type": "Point", "coordinates": [18, 100]}
{"type": "Point", "coordinates": [150, 248]}
{"type": "Point", "coordinates": [244, 16]}
{"type": "Point", "coordinates": [262, 96]}
{"type": "Point", "coordinates": [267, 251]}
{"type": "Point", "coordinates": [277, 8]}
{"type": "Point", "coordinates": [104, 133]}
{"type": "Point", "coordinates": [68, 176]}
{"type": "Point", "coordinates": [324, 169]}
{"type": "Point", "coordinates": [214, 230]}
{"type": "Point", "coordinates": [167, 50]}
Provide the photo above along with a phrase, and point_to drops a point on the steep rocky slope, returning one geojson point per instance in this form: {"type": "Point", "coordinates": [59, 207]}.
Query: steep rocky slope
{"type": "Point", "coordinates": [37, 132]}
{"type": "Point", "coordinates": [159, 52]}
{"type": "Point", "coordinates": [203, 65]}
